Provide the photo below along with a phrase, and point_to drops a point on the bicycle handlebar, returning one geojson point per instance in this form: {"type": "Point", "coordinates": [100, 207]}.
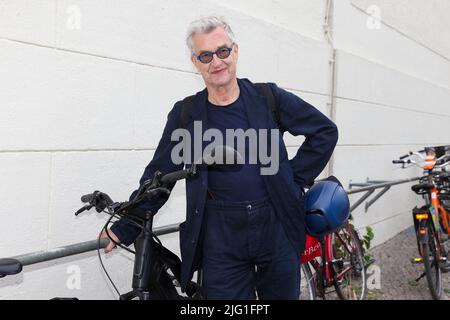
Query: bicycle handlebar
{"type": "Point", "coordinates": [401, 161]}
{"type": "Point", "coordinates": [405, 156]}
{"type": "Point", "coordinates": [87, 197]}
{"type": "Point", "coordinates": [96, 196]}
{"type": "Point", "coordinates": [149, 189]}
{"type": "Point", "coordinates": [440, 162]}
{"type": "Point", "coordinates": [175, 176]}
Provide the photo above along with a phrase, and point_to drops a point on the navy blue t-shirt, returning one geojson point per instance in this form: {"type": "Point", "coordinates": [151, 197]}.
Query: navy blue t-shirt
{"type": "Point", "coordinates": [233, 184]}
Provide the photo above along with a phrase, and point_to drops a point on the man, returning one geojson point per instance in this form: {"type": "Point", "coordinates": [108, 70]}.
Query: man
{"type": "Point", "coordinates": [244, 229]}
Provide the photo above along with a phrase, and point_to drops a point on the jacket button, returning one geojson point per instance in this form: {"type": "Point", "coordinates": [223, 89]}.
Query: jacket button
{"type": "Point", "coordinates": [196, 210]}
{"type": "Point", "coordinates": [193, 241]}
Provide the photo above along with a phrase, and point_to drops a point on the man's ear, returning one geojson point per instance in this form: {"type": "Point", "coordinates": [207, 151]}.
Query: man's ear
{"type": "Point", "coordinates": [194, 61]}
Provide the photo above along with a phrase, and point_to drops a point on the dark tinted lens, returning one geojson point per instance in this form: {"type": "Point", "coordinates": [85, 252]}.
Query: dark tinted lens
{"type": "Point", "coordinates": [223, 53]}
{"type": "Point", "coordinates": [206, 57]}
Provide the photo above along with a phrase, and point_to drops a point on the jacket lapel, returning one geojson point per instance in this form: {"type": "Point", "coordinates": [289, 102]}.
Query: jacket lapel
{"type": "Point", "coordinates": [197, 112]}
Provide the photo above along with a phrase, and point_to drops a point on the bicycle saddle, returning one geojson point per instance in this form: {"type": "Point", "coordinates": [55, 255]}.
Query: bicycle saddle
{"type": "Point", "coordinates": [9, 267]}
{"type": "Point", "coordinates": [422, 188]}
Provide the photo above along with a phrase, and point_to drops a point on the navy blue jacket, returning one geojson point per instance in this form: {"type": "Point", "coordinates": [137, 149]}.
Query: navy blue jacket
{"type": "Point", "coordinates": [284, 188]}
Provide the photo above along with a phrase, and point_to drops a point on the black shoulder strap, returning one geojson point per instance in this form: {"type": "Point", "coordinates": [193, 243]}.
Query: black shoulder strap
{"type": "Point", "coordinates": [187, 103]}
{"type": "Point", "coordinates": [264, 90]}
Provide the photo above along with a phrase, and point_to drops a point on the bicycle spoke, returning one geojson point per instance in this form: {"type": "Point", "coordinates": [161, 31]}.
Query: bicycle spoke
{"type": "Point", "coordinates": [348, 265]}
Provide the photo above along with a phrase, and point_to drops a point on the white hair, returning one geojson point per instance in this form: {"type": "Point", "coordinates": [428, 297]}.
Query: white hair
{"type": "Point", "coordinates": [206, 25]}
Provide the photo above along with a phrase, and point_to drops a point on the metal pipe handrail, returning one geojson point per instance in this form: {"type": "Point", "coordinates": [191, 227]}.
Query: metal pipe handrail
{"type": "Point", "coordinates": [382, 185]}
{"type": "Point", "coordinates": [361, 200]}
{"type": "Point", "coordinates": [78, 248]}
{"type": "Point", "coordinates": [370, 186]}
{"type": "Point", "coordinates": [82, 247]}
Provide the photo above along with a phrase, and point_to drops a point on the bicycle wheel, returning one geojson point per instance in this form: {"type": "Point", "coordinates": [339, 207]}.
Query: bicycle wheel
{"type": "Point", "coordinates": [430, 260]}
{"type": "Point", "coordinates": [348, 264]}
{"type": "Point", "coordinates": [307, 286]}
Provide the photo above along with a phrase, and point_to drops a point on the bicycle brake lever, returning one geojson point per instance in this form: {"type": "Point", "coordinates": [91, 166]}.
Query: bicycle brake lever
{"type": "Point", "coordinates": [86, 207]}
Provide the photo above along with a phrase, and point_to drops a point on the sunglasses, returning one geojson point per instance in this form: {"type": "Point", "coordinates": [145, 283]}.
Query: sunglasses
{"type": "Point", "coordinates": [221, 53]}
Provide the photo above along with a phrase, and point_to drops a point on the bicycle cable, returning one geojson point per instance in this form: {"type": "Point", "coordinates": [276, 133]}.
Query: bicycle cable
{"type": "Point", "coordinates": [100, 258]}
{"type": "Point", "coordinates": [129, 219]}
{"type": "Point", "coordinates": [105, 228]}
{"type": "Point", "coordinates": [156, 239]}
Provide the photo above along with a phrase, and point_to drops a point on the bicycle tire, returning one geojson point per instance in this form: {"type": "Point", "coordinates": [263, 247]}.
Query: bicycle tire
{"type": "Point", "coordinates": [344, 288]}
{"type": "Point", "coordinates": [307, 284]}
{"type": "Point", "coordinates": [432, 270]}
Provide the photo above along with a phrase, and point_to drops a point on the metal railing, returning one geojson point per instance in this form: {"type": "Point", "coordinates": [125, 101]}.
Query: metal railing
{"type": "Point", "coordinates": [41, 256]}
{"type": "Point", "coordinates": [370, 186]}
{"type": "Point", "coordinates": [77, 248]}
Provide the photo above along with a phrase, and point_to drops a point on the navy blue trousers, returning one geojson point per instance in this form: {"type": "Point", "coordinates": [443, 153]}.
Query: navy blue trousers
{"type": "Point", "coordinates": [246, 253]}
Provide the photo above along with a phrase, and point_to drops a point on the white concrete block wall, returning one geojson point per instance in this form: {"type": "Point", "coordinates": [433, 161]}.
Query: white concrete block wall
{"type": "Point", "coordinates": [86, 87]}
{"type": "Point", "coordinates": [29, 21]}
{"type": "Point", "coordinates": [25, 193]}
{"type": "Point", "coordinates": [392, 44]}
{"type": "Point", "coordinates": [390, 90]}
{"type": "Point", "coordinates": [415, 19]}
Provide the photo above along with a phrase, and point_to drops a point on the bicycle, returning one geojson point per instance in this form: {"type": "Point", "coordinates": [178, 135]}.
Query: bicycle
{"type": "Point", "coordinates": [337, 262]}
{"type": "Point", "coordinates": [431, 219]}
{"type": "Point", "coordinates": [157, 270]}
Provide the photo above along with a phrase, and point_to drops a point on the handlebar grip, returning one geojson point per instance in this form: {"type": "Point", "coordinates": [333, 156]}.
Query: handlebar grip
{"type": "Point", "coordinates": [87, 197]}
{"type": "Point", "coordinates": [80, 211]}
{"type": "Point", "coordinates": [398, 161]}
{"type": "Point", "coordinates": [174, 176]}
{"type": "Point", "coordinates": [405, 156]}
{"type": "Point", "coordinates": [86, 207]}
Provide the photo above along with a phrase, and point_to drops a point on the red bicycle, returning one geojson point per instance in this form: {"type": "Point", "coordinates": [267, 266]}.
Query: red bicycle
{"type": "Point", "coordinates": [334, 267]}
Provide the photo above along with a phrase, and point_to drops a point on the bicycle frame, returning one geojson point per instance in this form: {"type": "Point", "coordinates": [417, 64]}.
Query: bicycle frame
{"type": "Point", "coordinates": [327, 250]}
{"type": "Point", "coordinates": [421, 217]}
{"type": "Point", "coordinates": [440, 209]}
{"type": "Point", "coordinates": [438, 213]}
{"type": "Point", "coordinates": [435, 214]}
{"type": "Point", "coordinates": [432, 218]}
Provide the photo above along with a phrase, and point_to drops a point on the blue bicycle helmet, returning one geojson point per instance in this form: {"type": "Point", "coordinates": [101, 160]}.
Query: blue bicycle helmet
{"type": "Point", "coordinates": [327, 207]}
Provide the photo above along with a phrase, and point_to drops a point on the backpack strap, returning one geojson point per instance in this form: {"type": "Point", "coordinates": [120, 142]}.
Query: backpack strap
{"type": "Point", "coordinates": [187, 103]}
{"type": "Point", "coordinates": [265, 90]}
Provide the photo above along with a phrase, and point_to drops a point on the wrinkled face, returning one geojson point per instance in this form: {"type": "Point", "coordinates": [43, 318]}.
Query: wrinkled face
{"type": "Point", "coordinates": [218, 72]}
